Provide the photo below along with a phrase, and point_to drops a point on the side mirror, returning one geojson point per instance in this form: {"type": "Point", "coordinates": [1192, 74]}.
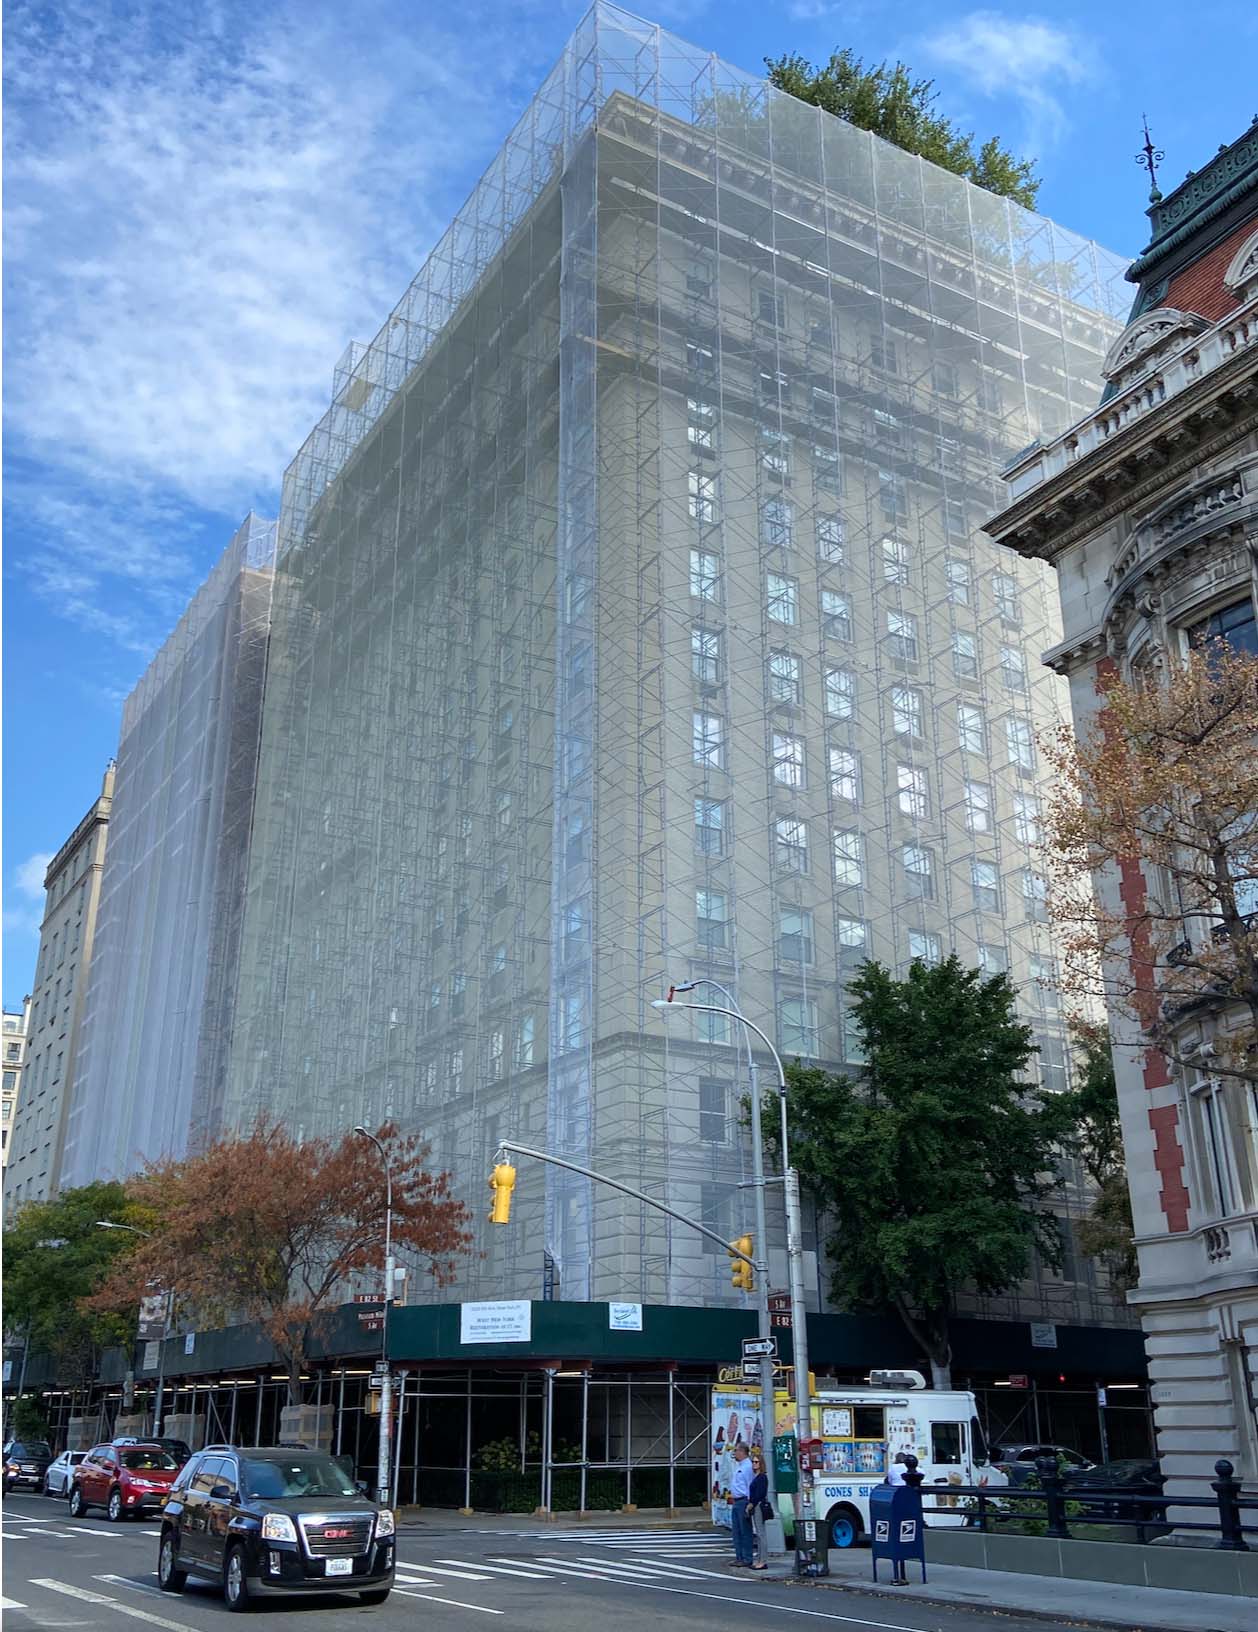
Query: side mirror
{"type": "Point", "coordinates": [362, 1487]}
{"type": "Point", "coordinates": [221, 1493]}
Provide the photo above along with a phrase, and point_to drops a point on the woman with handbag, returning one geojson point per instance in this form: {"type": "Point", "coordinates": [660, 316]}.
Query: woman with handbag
{"type": "Point", "coordinates": [758, 1509]}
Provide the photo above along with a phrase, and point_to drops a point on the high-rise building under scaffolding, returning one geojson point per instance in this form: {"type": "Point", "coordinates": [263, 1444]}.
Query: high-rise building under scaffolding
{"type": "Point", "coordinates": [632, 623]}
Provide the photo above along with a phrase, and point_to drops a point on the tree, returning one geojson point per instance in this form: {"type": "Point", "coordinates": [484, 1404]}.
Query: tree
{"type": "Point", "coordinates": [1157, 804]}
{"type": "Point", "coordinates": [1107, 1232]}
{"type": "Point", "coordinates": [271, 1229]}
{"type": "Point", "coordinates": [932, 1165]}
{"type": "Point", "coordinates": [892, 104]}
{"type": "Point", "coordinates": [54, 1259]}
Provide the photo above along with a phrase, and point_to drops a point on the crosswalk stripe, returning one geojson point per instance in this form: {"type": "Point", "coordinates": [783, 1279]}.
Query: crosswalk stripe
{"type": "Point", "coordinates": [645, 1567]}
{"type": "Point", "coordinates": [414, 1581]}
{"type": "Point", "coordinates": [498, 1569]}
{"type": "Point", "coordinates": [454, 1603]}
{"type": "Point", "coordinates": [583, 1572]}
{"type": "Point", "coordinates": [458, 1575]}
{"type": "Point", "coordinates": [112, 1603]}
{"type": "Point", "coordinates": [10, 1603]}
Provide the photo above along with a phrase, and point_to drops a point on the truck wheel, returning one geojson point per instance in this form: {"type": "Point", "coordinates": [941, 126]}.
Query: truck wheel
{"type": "Point", "coordinates": [845, 1527]}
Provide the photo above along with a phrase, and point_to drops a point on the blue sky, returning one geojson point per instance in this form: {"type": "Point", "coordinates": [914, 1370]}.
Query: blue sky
{"type": "Point", "coordinates": [206, 202]}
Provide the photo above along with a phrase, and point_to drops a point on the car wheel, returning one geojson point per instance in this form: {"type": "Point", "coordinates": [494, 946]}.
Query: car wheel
{"type": "Point", "coordinates": [47, 1490]}
{"type": "Point", "coordinates": [115, 1510]}
{"type": "Point", "coordinates": [236, 1581]}
{"type": "Point", "coordinates": [845, 1528]}
{"type": "Point", "coordinates": [170, 1578]}
{"type": "Point", "coordinates": [77, 1505]}
{"type": "Point", "coordinates": [376, 1596]}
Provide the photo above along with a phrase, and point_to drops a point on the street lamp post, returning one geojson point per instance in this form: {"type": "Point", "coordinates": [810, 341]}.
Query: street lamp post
{"type": "Point", "coordinates": [775, 1535]}
{"type": "Point", "coordinates": [805, 1516]}
{"type": "Point", "coordinates": [158, 1408]}
{"type": "Point", "coordinates": [383, 1471]}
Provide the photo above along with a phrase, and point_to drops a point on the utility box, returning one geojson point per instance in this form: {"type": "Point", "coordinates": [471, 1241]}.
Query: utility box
{"type": "Point", "coordinates": [896, 1530]}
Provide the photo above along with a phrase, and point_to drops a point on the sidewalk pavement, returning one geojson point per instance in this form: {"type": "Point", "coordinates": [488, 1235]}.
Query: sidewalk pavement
{"type": "Point", "coordinates": [533, 1524]}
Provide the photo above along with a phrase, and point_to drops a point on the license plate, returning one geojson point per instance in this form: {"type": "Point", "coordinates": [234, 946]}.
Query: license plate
{"type": "Point", "coordinates": [339, 1566]}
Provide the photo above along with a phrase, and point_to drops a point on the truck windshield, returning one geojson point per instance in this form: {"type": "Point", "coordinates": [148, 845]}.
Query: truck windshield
{"type": "Point", "coordinates": [978, 1442]}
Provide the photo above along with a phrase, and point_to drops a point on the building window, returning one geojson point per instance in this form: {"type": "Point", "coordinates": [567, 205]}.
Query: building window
{"type": "Point", "coordinates": [978, 807]}
{"type": "Point", "coordinates": [770, 308]}
{"type": "Point", "coordinates": [1013, 668]}
{"type": "Point", "coordinates": [788, 760]}
{"type": "Point", "coordinates": [845, 774]}
{"type": "Point", "coordinates": [700, 424]}
{"type": "Point", "coordinates": [777, 524]}
{"type": "Point", "coordinates": [705, 575]}
{"type": "Point", "coordinates": [710, 827]}
{"type": "Point", "coordinates": [826, 470]}
{"type": "Point", "coordinates": [944, 378]}
{"type": "Point", "coordinates": [702, 492]}
{"type": "Point", "coordinates": [919, 872]}
{"type": "Point", "coordinates": [883, 354]}
{"type": "Point", "coordinates": [986, 881]}
{"type": "Point", "coordinates": [716, 1211]}
{"type": "Point", "coordinates": [853, 1041]}
{"type": "Point", "coordinates": [786, 678]}
{"type": "Point", "coordinates": [849, 869]}
{"type": "Point", "coordinates": [1214, 1140]}
{"type": "Point", "coordinates": [991, 398]}
{"type": "Point", "coordinates": [1044, 981]}
{"type": "Point", "coordinates": [1052, 1063]}
{"type": "Point", "coordinates": [1026, 819]}
{"type": "Point", "coordinates": [712, 913]}
{"type": "Point", "coordinates": [713, 1102]}
{"type": "Point", "coordinates": [893, 495]}
{"type": "Point", "coordinates": [830, 539]}
{"type": "Point", "coordinates": [795, 938]}
{"type": "Point", "coordinates": [964, 656]}
{"type": "Point", "coordinates": [458, 992]}
{"type": "Point", "coordinates": [782, 598]}
{"type": "Point", "coordinates": [699, 279]}
{"type": "Point", "coordinates": [888, 428]}
{"type": "Point", "coordinates": [992, 960]}
{"type": "Point", "coordinates": [971, 729]}
{"type": "Point", "coordinates": [925, 948]}
{"type": "Point", "coordinates": [1236, 624]}
{"type": "Point", "coordinates": [775, 387]}
{"type": "Point", "coordinates": [708, 740]}
{"type": "Point", "coordinates": [840, 694]}
{"type": "Point", "coordinates": [775, 453]}
{"type": "Point", "coordinates": [790, 844]}
{"type": "Point", "coordinates": [955, 520]}
{"type": "Point", "coordinates": [705, 655]}
{"type": "Point", "coordinates": [836, 615]}
{"type": "Point", "coordinates": [906, 711]}
{"type": "Point", "coordinates": [714, 1029]}
{"type": "Point", "coordinates": [456, 1072]}
{"type": "Point", "coordinates": [1035, 896]}
{"type": "Point", "coordinates": [496, 1052]}
{"type": "Point", "coordinates": [958, 573]}
{"type": "Point", "coordinates": [895, 561]}
{"type": "Point", "coordinates": [574, 929]}
{"type": "Point", "coordinates": [902, 628]}
{"type": "Point", "coordinates": [913, 796]}
{"type": "Point", "coordinates": [1020, 740]}
{"type": "Point", "coordinates": [797, 1027]}
{"type": "Point", "coordinates": [700, 359]}
{"type": "Point", "coordinates": [1005, 590]}
{"type": "Point", "coordinates": [852, 936]}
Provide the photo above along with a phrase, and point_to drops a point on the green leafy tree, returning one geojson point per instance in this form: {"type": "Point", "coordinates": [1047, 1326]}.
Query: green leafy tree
{"type": "Point", "coordinates": [54, 1259]}
{"type": "Point", "coordinates": [892, 104]}
{"type": "Point", "coordinates": [1107, 1232]}
{"type": "Point", "coordinates": [934, 1163]}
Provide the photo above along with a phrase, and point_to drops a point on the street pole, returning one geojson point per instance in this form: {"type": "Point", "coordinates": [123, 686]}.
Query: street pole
{"type": "Point", "coordinates": [805, 1532]}
{"type": "Point", "coordinates": [383, 1469]}
{"type": "Point", "coordinates": [168, 1310]}
{"type": "Point", "coordinates": [775, 1534]}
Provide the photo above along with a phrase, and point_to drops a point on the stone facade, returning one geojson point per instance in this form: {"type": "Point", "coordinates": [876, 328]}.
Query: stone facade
{"type": "Point", "coordinates": [16, 1025]}
{"type": "Point", "coordinates": [1148, 509]}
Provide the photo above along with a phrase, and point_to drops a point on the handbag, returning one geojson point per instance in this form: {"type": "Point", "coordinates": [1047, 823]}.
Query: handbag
{"type": "Point", "coordinates": [766, 1512]}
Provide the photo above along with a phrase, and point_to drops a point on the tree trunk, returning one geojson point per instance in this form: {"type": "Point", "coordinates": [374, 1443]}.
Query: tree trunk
{"type": "Point", "coordinates": [930, 1331]}
{"type": "Point", "coordinates": [294, 1378]}
{"type": "Point", "coordinates": [940, 1373]}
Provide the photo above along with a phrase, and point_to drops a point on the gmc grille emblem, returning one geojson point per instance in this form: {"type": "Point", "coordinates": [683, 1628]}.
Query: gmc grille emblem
{"type": "Point", "coordinates": [335, 1535]}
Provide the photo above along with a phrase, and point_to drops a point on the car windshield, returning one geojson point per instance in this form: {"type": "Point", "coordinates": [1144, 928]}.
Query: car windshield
{"type": "Point", "coordinates": [31, 1447]}
{"type": "Point", "coordinates": [279, 1476]}
{"type": "Point", "coordinates": [139, 1461]}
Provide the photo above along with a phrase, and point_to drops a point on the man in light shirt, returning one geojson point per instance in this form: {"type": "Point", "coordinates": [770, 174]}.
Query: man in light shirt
{"type": "Point", "coordinates": [739, 1490]}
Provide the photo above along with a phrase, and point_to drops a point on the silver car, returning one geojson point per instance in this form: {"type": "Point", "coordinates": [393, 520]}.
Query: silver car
{"type": "Point", "coordinates": [60, 1471]}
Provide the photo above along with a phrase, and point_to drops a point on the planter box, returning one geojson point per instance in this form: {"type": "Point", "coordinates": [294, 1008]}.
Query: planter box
{"type": "Point", "coordinates": [1185, 1569]}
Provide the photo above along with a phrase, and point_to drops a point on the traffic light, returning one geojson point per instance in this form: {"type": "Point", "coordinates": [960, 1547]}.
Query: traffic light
{"type": "Point", "coordinates": [741, 1273]}
{"type": "Point", "coordinates": [502, 1183]}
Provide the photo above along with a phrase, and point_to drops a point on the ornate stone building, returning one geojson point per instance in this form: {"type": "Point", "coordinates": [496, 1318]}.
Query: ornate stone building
{"type": "Point", "coordinates": [1148, 509]}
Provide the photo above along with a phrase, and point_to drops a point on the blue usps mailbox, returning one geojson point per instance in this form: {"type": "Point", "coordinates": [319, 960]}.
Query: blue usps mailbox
{"type": "Point", "coordinates": [896, 1529]}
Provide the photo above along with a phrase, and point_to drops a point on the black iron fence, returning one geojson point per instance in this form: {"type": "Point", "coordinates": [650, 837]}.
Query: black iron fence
{"type": "Point", "coordinates": [1059, 1507]}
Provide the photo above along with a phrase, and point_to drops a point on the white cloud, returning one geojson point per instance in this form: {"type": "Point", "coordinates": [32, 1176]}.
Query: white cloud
{"type": "Point", "coordinates": [28, 875]}
{"type": "Point", "coordinates": [1024, 58]}
{"type": "Point", "coordinates": [814, 11]}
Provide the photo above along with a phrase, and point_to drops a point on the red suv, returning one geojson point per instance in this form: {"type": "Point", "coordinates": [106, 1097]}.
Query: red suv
{"type": "Point", "coordinates": [123, 1479]}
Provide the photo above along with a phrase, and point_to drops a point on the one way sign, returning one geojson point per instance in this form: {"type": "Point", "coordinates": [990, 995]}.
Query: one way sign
{"type": "Point", "coordinates": [760, 1348]}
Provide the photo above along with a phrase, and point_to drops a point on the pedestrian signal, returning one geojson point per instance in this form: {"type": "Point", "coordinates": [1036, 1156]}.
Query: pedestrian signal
{"type": "Point", "coordinates": [502, 1183]}
{"type": "Point", "coordinates": [741, 1273]}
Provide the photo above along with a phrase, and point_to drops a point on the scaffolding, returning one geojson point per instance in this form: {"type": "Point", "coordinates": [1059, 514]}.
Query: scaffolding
{"type": "Point", "coordinates": [158, 1009]}
{"type": "Point", "coordinates": [633, 622]}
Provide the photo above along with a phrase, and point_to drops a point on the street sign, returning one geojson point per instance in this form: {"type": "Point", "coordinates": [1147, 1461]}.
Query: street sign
{"type": "Point", "coordinates": [1019, 1379]}
{"type": "Point", "coordinates": [380, 1369]}
{"type": "Point", "coordinates": [780, 1311]}
{"type": "Point", "coordinates": [759, 1348]}
{"type": "Point", "coordinates": [751, 1371]}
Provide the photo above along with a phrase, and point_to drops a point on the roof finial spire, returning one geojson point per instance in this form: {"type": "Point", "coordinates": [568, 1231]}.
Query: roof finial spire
{"type": "Point", "coordinates": [1149, 157]}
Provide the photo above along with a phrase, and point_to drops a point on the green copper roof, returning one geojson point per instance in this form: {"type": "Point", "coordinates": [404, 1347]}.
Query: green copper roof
{"type": "Point", "coordinates": [1200, 198]}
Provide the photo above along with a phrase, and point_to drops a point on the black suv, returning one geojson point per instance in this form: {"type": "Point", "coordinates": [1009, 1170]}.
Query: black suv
{"type": "Point", "coordinates": [26, 1461]}
{"type": "Point", "coordinates": [273, 1519]}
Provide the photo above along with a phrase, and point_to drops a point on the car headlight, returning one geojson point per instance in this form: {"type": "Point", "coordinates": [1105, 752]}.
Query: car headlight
{"type": "Point", "coordinates": [384, 1521]}
{"type": "Point", "coordinates": [278, 1527]}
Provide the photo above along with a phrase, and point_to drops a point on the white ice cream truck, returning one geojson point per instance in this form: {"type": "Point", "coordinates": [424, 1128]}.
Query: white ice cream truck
{"type": "Point", "coordinates": [861, 1429]}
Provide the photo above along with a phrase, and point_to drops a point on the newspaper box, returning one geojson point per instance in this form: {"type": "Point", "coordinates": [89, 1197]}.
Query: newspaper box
{"type": "Point", "coordinates": [896, 1530]}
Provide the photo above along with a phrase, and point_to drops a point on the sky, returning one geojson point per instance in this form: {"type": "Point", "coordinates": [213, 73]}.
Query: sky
{"type": "Point", "coordinates": [206, 202]}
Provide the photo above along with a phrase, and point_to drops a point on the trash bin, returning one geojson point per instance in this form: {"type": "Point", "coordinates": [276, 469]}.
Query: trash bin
{"type": "Point", "coordinates": [896, 1529]}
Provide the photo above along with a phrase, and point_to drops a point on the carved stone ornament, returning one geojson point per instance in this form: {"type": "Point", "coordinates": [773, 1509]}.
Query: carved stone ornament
{"type": "Point", "coordinates": [1241, 277]}
{"type": "Point", "coordinates": [1151, 333]}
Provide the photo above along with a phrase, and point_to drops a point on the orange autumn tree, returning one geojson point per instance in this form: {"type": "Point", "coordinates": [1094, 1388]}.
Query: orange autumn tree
{"type": "Point", "coordinates": [271, 1229]}
{"type": "Point", "coordinates": [1167, 777]}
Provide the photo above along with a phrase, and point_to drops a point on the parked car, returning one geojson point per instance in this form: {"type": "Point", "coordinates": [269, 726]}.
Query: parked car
{"type": "Point", "coordinates": [1138, 1476]}
{"type": "Point", "coordinates": [273, 1520]}
{"type": "Point", "coordinates": [58, 1473]}
{"type": "Point", "coordinates": [178, 1448]}
{"type": "Point", "coordinates": [1017, 1459]}
{"type": "Point", "coordinates": [25, 1463]}
{"type": "Point", "coordinates": [123, 1479]}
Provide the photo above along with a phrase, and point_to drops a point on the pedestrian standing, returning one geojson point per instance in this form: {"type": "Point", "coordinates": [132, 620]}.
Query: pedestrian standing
{"type": "Point", "coordinates": [758, 1509]}
{"type": "Point", "coordinates": [739, 1494]}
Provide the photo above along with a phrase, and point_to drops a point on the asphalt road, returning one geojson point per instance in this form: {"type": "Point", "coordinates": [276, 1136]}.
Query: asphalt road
{"type": "Point", "coordinates": [90, 1574]}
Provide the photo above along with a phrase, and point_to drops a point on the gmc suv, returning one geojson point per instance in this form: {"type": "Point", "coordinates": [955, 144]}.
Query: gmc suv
{"type": "Point", "coordinates": [273, 1520]}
